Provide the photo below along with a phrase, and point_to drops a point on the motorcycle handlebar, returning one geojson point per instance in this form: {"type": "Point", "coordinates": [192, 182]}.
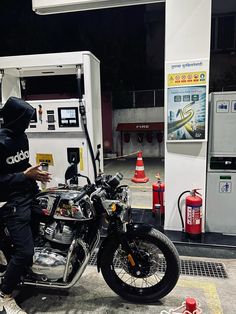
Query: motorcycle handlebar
{"type": "Point", "coordinates": [103, 183]}
{"type": "Point", "coordinates": [87, 191]}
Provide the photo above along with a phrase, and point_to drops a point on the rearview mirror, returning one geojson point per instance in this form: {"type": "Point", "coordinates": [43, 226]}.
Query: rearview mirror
{"type": "Point", "coordinates": [71, 171]}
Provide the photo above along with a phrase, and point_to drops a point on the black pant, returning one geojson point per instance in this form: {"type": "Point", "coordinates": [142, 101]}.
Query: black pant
{"type": "Point", "coordinates": [16, 214]}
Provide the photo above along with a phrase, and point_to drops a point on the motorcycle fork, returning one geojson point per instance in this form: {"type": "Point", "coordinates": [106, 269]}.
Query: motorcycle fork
{"type": "Point", "coordinates": [116, 227]}
{"type": "Point", "coordinates": [122, 236]}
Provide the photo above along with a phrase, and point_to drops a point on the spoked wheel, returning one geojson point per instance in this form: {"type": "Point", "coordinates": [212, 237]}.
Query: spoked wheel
{"type": "Point", "coordinates": [154, 273]}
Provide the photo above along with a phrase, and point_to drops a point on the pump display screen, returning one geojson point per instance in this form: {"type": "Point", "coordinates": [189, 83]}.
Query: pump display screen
{"type": "Point", "coordinates": [68, 114]}
{"type": "Point", "coordinates": [68, 117]}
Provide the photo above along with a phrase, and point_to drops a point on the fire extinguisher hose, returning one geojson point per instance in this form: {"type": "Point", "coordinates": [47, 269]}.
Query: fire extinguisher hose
{"type": "Point", "coordinates": [179, 209]}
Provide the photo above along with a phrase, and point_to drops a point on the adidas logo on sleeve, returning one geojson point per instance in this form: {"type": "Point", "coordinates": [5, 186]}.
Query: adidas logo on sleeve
{"type": "Point", "coordinates": [18, 157]}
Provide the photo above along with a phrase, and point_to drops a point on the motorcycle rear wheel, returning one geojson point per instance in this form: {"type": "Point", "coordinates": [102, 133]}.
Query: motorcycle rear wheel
{"type": "Point", "coordinates": [159, 267]}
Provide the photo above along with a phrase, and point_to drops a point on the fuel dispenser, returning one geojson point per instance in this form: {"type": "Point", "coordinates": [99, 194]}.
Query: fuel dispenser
{"type": "Point", "coordinates": [221, 167]}
{"type": "Point", "coordinates": [61, 131]}
{"type": "Point", "coordinates": [56, 137]}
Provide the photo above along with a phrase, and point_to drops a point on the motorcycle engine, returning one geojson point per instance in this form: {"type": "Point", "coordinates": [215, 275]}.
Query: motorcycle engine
{"type": "Point", "coordinates": [58, 228]}
{"type": "Point", "coordinates": [49, 264]}
{"type": "Point", "coordinates": [49, 261]}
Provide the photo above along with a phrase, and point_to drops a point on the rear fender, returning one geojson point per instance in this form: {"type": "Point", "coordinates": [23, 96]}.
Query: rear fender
{"type": "Point", "coordinates": [132, 229]}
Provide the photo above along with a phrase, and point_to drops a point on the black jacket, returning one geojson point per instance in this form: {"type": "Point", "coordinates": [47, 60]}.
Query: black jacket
{"type": "Point", "coordinates": [14, 150]}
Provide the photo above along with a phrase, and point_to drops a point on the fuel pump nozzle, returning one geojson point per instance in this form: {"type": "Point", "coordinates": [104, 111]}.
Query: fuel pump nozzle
{"type": "Point", "coordinates": [82, 109]}
{"type": "Point", "coordinates": [1, 75]}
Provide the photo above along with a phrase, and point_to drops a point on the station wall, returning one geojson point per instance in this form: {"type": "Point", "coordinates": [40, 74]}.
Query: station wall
{"type": "Point", "coordinates": [135, 115]}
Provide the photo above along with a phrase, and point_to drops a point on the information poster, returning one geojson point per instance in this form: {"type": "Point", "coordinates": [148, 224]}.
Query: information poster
{"type": "Point", "coordinates": [186, 113]}
{"type": "Point", "coordinates": [186, 101]}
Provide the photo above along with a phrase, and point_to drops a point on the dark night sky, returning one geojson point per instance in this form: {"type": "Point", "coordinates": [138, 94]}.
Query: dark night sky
{"type": "Point", "coordinates": [117, 37]}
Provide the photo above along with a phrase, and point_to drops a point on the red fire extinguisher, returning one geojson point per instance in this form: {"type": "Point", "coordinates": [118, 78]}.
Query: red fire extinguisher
{"type": "Point", "coordinates": [193, 213]}
{"type": "Point", "coordinates": [158, 189]}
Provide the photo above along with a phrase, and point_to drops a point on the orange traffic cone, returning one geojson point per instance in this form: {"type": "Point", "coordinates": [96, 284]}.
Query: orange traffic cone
{"type": "Point", "coordinates": [139, 175]}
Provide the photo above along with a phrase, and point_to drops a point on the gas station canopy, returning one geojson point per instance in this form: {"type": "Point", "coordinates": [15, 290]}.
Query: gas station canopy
{"type": "Point", "coordinates": [62, 6]}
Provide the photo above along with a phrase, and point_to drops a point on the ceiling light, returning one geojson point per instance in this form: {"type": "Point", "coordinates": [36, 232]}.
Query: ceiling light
{"type": "Point", "coordinates": [62, 6]}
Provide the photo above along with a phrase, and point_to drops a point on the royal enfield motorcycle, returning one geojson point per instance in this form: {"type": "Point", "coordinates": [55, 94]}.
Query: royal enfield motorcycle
{"type": "Point", "coordinates": [138, 262]}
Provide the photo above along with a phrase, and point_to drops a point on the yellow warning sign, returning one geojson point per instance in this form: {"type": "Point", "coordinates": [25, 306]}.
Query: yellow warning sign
{"type": "Point", "coordinates": [48, 158]}
{"type": "Point", "coordinates": [187, 78]}
{"type": "Point", "coordinates": [81, 159]}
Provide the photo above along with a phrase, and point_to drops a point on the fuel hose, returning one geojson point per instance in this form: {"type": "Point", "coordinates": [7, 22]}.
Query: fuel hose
{"type": "Point", "coordinates": [84, 121]}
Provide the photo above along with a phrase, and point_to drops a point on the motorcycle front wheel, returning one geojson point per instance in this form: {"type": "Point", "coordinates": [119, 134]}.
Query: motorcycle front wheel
{"type": "Point", "coordinates": [155, 275]}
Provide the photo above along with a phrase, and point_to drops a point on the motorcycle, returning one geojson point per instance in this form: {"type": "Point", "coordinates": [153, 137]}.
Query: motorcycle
{"type": "Point", "coordinates": [137, 261]}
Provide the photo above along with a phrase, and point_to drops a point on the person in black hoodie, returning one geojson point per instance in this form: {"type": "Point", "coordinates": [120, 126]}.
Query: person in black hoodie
{"type": "Point", "coordinates": [17, 189]}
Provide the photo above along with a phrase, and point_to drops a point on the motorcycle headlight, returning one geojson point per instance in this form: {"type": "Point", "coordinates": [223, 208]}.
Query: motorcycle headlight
{"type": "Point", "coordinates": [124, 195]}
{"type": "Point", "coordinates": [121, 200]}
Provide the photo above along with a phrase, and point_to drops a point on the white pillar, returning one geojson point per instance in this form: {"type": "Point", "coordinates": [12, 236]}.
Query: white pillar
{"type": "Point", "coordinates": [188, 24]}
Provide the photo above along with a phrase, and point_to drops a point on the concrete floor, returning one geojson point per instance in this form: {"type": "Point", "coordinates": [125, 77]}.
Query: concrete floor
{"type": "Point", "coordinates": [92, 295]}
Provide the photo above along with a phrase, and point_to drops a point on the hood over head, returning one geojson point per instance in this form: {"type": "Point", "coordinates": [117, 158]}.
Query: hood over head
{"type": "Point", "coordinates": [17, 114]}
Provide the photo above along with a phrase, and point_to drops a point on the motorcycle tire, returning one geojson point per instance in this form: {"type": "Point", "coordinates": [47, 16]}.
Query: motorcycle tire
{"type": "Point", "coordinates": [152, 265]}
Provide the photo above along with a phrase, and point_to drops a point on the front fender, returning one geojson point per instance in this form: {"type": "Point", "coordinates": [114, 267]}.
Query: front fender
{"type": "Point", "coordinates": [132, 229]}
{"type": "Point", "coordinates": [138, 227]}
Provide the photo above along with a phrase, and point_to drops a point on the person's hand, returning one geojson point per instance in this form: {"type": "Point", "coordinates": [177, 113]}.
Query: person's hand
{"type": "Point", "coordinates": [37, 174]}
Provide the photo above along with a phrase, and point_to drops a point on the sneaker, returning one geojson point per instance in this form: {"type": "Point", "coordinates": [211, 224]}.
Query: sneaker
{"type": "Point", "coordinates": [8, 306]}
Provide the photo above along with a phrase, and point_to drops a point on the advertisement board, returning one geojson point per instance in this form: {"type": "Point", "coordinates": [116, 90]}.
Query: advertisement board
{"type": "Point", "coordinates": [186, 102]}
{"type": "Point", "coordinates": [186, 113]}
